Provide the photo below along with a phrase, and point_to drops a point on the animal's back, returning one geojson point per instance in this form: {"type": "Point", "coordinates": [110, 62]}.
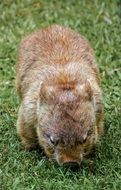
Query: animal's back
{"type": "Point", "coordinates": [56, 46]}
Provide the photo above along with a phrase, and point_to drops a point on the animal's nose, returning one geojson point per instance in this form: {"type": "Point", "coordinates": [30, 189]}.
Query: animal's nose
{"type": "Point", "coordinates": [72, 164]}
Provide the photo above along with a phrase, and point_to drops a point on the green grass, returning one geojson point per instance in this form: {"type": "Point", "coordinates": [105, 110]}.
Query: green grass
{"type": "Point", "coordinates": [97, 20]}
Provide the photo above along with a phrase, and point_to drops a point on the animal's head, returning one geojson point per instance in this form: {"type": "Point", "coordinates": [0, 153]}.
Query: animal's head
{"type": "Point", "coordinates": [67, 123]}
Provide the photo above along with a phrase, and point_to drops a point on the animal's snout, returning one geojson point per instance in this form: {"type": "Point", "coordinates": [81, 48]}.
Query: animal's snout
{"type": "Point", "coordinates": [72, 164]}
{"type": "Point", "coordinates": [69, 160]}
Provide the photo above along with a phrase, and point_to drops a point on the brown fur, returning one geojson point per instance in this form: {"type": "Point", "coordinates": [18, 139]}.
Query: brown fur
{"type": "Point", "coordinates": [61, 102]}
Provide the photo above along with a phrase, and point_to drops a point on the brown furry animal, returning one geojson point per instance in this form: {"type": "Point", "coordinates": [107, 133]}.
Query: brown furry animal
{"type": "Point", "coordinates": [61, 102]}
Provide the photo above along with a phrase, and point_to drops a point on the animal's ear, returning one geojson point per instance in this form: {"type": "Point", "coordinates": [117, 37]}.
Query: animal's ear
{"type": "Point", "coordinates": [47, 92]}
{"type": "Point", "coordinates": [85, 90]}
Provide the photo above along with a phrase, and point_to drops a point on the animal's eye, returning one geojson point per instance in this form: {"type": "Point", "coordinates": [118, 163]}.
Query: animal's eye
{"type": "Point", "coordinates": [53, 141]}
{"type": "Point", "coordinates": [82, 141]}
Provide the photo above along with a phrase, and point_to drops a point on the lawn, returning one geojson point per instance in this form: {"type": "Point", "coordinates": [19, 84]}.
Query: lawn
{"type": "Point", "coordinates": [99, 22]}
